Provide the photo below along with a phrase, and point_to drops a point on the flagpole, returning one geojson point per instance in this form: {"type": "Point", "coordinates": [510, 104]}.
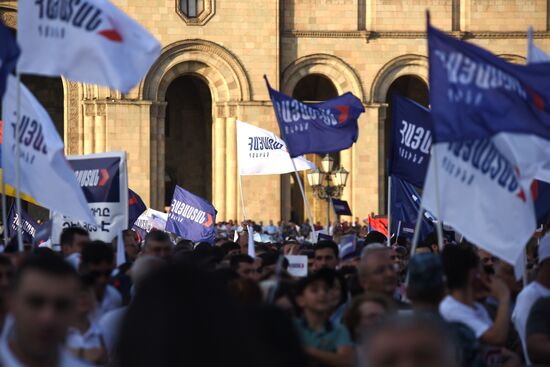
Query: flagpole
{"type": "Point", "coordinates": [416, 235]}
{"type": "Point", "coordinates": [398, 230]}
{"type": "Point", "coordinates": [389, 210]}
{"type": "Point", "coordinates": [439, 224]}
{"type": "Point", "coordinates": [17, 163]}
{"type": "Point", "coordinates": [242, 196]}
{"type": "Point", "coordinates": [4, 210]}
{"type": "Point", "coordinates": [305, 199]}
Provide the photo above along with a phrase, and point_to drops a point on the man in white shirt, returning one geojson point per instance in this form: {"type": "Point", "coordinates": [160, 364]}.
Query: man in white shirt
{"type": "Point", "coordinates": [98, 263]}
{"type": "Point", "coordinates": [462, 266]}
{"type": "Point", "coordinates": [533, 292]}
{"type": "Point", "coordinates": [72, 240]}
{"type": "Point", "coordinates": [42, 307]}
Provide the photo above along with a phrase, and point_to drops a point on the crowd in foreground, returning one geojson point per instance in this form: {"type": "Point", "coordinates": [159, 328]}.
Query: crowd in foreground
{"type": "Point", "coordinates": [214, 305]}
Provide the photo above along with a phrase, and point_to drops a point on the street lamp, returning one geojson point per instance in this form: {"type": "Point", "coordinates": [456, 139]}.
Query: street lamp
{"type": "Point", "coordinates": [328, 183]}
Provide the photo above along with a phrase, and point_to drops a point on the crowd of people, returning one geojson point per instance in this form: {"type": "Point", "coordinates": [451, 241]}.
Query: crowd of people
{"type": "Point", "coordinates": [176, 304]}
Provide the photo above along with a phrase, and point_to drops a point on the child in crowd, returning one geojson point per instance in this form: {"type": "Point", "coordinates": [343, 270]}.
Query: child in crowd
{"type": "Point", "coordinates": [326, 343]}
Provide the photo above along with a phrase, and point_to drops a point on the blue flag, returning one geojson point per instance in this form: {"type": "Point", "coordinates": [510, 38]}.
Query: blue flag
{"type": "Point", "coordinates": [321, 128]}
{"type": "Point", "coordinates": [191, 217]}
{"type": "Point", "coordinates": [136, 207]}
{"type": "Point", "coordinates": [28, 225]}
{"type": "Point", "coordinates": [405, 206]}
{"type": "Point", "coordinates": [411, 141]}
{"type": "Point", "coordinates": [341, 207]}
{"type": "Point", "coordinates": [475, 94]}
{"type": "Point", "coordinates": [9, 53]}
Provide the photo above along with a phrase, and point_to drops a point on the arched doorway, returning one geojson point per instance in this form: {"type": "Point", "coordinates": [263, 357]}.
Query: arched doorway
{"type": "Point", "coordinates": [412, 87]}
{"type": "Point", "coordinates": [310, 89]}
{"type": "Point", "coordinates": [188, 137]}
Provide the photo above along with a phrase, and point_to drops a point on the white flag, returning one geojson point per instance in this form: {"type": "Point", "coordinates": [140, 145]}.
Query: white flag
{"type": "Point", "coordinates": [480, 196]}
{"type": "Point", "coordinates": [90, 41]}
{"type": "Point", "coordinates": [45, 173]}
{"type": "Point", "coordinates": [261, 152]}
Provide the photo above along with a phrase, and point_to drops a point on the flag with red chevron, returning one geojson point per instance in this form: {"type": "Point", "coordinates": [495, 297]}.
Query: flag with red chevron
{"type": "Point", "coordinates": [89, 41]}
{"type": "Point", "coordinates": [104, 181]}
{"type": "Point", "coordinates": [191, 217]}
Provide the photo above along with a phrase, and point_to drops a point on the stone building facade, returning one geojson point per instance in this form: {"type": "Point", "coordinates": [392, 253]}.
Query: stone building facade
{"type": "Point", "coordinates": [178, 124]}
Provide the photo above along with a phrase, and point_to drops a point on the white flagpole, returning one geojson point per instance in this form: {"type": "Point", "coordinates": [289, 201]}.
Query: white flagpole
{"type": "Point", "coordinates": [439, 223]}
{"type": "Point", "coordinates": [416, 234]}
{"type": "Point", "coordinates": [17, 163]}
{"type": "Point", "coordinates": [251, 249]}
{"type": "Point", "coordinates": [305, 200]}
{"type": "Point", "coordinates": [242, 196]}
{"type": "Point", "coordinates": [4, 210]}
{"type": "Point", "coordinates": [389, 211]}
{"type": "Point", "coordinates": [398, 230]}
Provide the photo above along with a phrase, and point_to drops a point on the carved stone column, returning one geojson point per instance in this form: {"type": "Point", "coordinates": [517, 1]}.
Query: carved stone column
{"type": "Point", "coordinates": [231, 176]}
{"type": "Point", "coordinates": [219, 176]}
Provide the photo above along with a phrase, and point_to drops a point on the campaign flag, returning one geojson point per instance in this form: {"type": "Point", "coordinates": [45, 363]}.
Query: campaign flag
{"type": "Point", "coordinates": [45, 174]}
{"type": "Point", "coordinates": [10, 190]}
{"type": "Point", "coordinates": [320, 128]}
{"type": "Point", "coordinates": [136, 207]}
{"type": "Point", "coordinates": [28, 225]}
{"type": "Point", "coordinates": [475, 94]}
{"type": "Point", "coordinates": [480, 196]}
{"type": "Point", "coordinates": [297, 265]}
{"type": "Point", "coordinates": [378, 224]}
{"type": "Point", "coordinates": [405, 207]}
{"type": "Point", "coordinates": [261, 152]}
{"type": "Point", "coordinates": [104, 180]}
{"type": "Point", "coordinates": [9, 52]}
{"type": "Point", "coordinates": [341, 207]}
{"type": "Point", "coordinates": [150, 220]}
{"type": "Point", "coordinates": [89, 41]}
{"type": "Point", "coordinates": [347, 245]}
{"type": "Point", "coordinates": [191, 217]}
{"type": "Point", "coordinates": [411, 141]}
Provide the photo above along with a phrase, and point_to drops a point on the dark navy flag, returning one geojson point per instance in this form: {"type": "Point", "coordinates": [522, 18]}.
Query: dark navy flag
{"type": "Point", "coordinates": [341, 207]}
{"type": "Point", "coordinates": [136, 207]}
{"type": "Point", "coordinates": [405, 206]}
{"type": "Point", "coordinates": [191, 217]}
{"type": "Point", "coordinates": [475, 94]}
{"type": "Point", "coordinates": [320, 128]}
{"type": "Point", "coordinates": [28, 225]}
{"type": "Point", "coordinates": [9, 53]}
{"type": "Point", "coordinates": [541, 195]}
{"type": "Point", "coordinates": [411, 141]}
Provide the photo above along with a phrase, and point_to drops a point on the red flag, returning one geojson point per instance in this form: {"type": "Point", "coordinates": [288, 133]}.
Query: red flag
{"type": "Point", "coordinates": [379, 224]}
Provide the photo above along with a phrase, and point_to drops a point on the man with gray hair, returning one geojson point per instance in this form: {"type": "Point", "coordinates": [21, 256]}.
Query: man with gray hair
{"type": "Point", "coordinates": [377, 271]}
{"type": "Point", "coordinates": [412, 340]}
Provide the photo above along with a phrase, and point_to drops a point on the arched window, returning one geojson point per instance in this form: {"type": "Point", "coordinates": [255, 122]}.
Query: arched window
{"type": "Point", "coordinates": [192, 8]}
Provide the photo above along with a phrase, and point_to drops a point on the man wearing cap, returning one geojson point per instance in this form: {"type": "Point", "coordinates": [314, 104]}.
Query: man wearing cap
{"type": "Point", "coordinates": [426, 287]}
{"type": "Point", "coordinates": [538, 289]}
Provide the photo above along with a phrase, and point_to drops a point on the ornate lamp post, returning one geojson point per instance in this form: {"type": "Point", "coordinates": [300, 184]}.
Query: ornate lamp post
{"type": "Point", "coordinates": [328, 183]}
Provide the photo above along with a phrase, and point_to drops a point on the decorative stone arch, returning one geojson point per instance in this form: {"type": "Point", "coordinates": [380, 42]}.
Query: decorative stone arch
{"type": "Point", "coordinates": [227, 78]}
{"type": "Point", "coordinates": [415, 65]}
{"type": "Point", "coordinates": [342, 75]}
{"type": "Point", "coordinates": [229, 84]}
